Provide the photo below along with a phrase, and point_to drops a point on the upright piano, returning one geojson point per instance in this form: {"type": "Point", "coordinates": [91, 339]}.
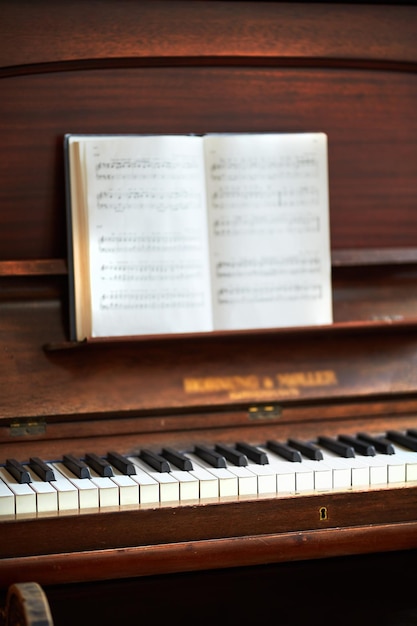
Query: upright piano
{"type": "Point", "coordinates": [313, 551]}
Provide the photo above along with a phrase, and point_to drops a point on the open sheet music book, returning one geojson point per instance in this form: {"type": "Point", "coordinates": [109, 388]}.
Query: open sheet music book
{"type": "Point", "coordinates": [188, 234]}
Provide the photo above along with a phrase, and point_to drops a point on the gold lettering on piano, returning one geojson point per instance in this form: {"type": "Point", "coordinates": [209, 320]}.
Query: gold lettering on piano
{"type": "Point", "coordinates": [281, 385]}
{"type": "Point", "coordinates": [213, 384]}
{"type": "Point", "coordinates": [265, 394]}
{"type": "Point", "coordinates": [318, 378]}
{"type": "Point", "coordinates": [267, 383]}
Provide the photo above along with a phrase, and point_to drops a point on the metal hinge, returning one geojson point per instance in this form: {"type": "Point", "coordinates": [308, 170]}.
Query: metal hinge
{"type": "Point", "coordinates": [266, 411]}
{"type": "Point", "coordinates": [30, 427]}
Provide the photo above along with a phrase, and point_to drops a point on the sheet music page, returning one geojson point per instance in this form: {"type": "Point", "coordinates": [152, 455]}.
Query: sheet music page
{"type": "Point", "coordinates": [149, 270]}
{"type": "Point", "coordinates": [269, 230]}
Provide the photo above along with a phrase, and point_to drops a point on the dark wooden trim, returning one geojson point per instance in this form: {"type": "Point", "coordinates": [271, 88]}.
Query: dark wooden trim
{"type": "Point", "coordinates": [208, 61]}
{"type": "Point", "coordinates": [207, 554]}
{"type": "Point", "coordinates": [34, 267]}
{"type": "Point", "coordinates": [368, 256]}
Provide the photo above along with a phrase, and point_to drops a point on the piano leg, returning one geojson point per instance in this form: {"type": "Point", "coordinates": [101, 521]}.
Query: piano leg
{"type": "Point", "coordinates": [26, 605]}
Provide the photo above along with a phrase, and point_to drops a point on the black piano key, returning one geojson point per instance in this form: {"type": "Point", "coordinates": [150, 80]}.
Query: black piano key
{"type": "Point", "coordinates": [18, 471]}
{"type": "Point", "coordinates": [404, 440]}
{"type": "Point", "coordinates": [178, 459]}
{"type": "Point", "coordinates": [412, 432]}
{"type": "Point", "coordinates": [338, 447]}
{"type": "Point", "coordinates": [98, 464]}
{"type": "Point", "coordinates": [155, 460]}
{"type": "Point", "coordinates": [41, 469]}
{"type": "Point", "coordinates": [121, 463]}
{"type": "Point", "coordinates": [231, 454]}
{"type": "Point", "coordinates": [362, 447]}
{"type": "Point", "coordinates": [309, 450]}
{"type": "Point", "coordinates": [212, 457]}
{"type": "Point", "coordinates": [380, 444]}
{"type": "Point", "coordinates": [253, 453]}
{"type": "Point", "coordinates": [76, 466]}
{"type": "Point", "coordinates": [284, 450]}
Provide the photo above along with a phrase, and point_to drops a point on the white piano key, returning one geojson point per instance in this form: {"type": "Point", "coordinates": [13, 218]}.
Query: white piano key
{"type": "Point", "coordinates": [286, 477]}
{"type": "Point", "coordinates": [378, 469]}
{"type": "Point", "coordinates": [88, 496]}
{"type": "Point", "coordinates": [304, 473]}
{"type": "Point", "coordinates": [246, 480]}
{"type": "Point", "coordinates": [348, 472]}
{"type": "Point", "coordinates": [368, 470]}
{"type": "Point", "coordinates": [323, 475]}
{"type": "Point", "coordinates": [411, 471]}
{"type": "Point", "coordinates": [128, 488]}
{"type": "Point", "coordinates": [304, 480]}
{"type": "Point", "coordinates": [208, 484]}
{"type": "Point", "coordinates": [391, 468]}
{"type": "Point", "coordinates": [284, 472]}
{"type": "Point", "coordinates": [267, 479]}
{"type": "Point", "coordinates": [108, 491]}
{"type": "Point", "coordinates": [24, 496]}
{"type": "Point", "coordinates": [411, 467]}
{"type": "Point", "coordinates": [396, 469]}
{"type": "Point", "coordinates": [342, 477]}
{"type": "Point", "coordinates": [361, 476]}
{"type": "Point", "coordinates": [169, 490]}
{"type": "Point", "coordinates": [341, 472]}
{"type": "Point", "coordinates": [386, 468]}
{"type": "Point", "coordinates": [228, 485]}
{"type": "Point", "coordinates": [148, 487]}
{"type": "Point", "coordinates": [67, 493]}
{"type": "Point", "coordinates": [46, 494]}
{"type": "Point", "coordinates": [7, 503]}
{"type": "Point", "coordinates": [188, 484]}
{"type": "Point", "coordinates": [409, 458]}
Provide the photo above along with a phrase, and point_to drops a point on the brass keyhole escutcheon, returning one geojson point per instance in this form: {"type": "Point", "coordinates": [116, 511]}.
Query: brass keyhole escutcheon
{"type": "Point", "coordinates": [323, 513]}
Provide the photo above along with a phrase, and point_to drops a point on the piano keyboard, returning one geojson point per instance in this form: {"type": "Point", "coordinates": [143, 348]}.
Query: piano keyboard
{"type": "Point", "coordinates": [232, 471]}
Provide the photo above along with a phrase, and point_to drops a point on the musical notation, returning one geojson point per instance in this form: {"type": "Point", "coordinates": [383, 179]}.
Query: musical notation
{"type": "Point", "coordinates": [270, 266]}
{"type": "Point", "coordinates": [215, 228]}
{"type": "Point", "coordinates": [243, 197]}
{"type": "Point", "coordinates": [255, 225]}
{"type": "Point", "coordinates": [247, 168]}
{"type": "Point", "coordinates": [180, 167]}
{"type": "Point", "coordinates": [142, 300]}
{"type": "Point", "coordinates": [150, 272]}
{"type": "Point", "coordinates": [159, 200]}
{"type": "Point", "coordinates": [134, 242]}
{"type": "Point", "coordinates": [270, 293]}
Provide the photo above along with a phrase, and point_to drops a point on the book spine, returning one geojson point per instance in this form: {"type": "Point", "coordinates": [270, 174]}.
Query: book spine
{"type": "Point", "coordinates": [70, 256]}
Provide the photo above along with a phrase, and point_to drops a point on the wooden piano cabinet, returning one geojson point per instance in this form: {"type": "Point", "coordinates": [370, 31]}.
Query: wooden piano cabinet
{"type": "Point", "coordinates": [186, 66]}
{"type": "Point", "coordinates": [376, 589]}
